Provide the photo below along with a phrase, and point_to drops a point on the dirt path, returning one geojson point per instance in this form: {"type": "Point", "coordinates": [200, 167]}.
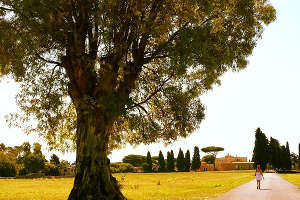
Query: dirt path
{"type": "Point", "coordinates": [272, 188]}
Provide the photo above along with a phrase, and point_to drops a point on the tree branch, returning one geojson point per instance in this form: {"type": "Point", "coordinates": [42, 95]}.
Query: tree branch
{"type": "Point", "coordinates": [152, 94]}
{"type": "Point", "coordinates": [6, 9]}
{"type": "Point", "coordinates": [48, 61]}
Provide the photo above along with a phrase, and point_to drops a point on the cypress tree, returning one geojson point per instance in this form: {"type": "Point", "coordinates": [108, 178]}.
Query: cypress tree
{"type": "Point", "coordinates": [149, 163]}
{"type": "Point", "coordinates": [180, 161]}
{"type": "Point", "coordinates": [172, 164]}
{"type": "Point", "coordinates": [187, 161]}
{"type": "Point", "coordinates": [196, 163]}
{"type": "Point", "coordinates": [288, 157]}
{"type": "Point", "coordinates": [168, 161]}
{"type": "Point", "coordinates": [261, 149]}
{"type": "Point", "coordinates": [274, 156]}
{"type": "Point", "coordinates": [161, 162]}
{"type": "Point", "coordinates": [282, 158]}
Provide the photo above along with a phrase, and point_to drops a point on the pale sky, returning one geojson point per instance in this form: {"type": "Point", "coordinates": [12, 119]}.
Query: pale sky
{"type": "Point", "coordinates": [265, 94]}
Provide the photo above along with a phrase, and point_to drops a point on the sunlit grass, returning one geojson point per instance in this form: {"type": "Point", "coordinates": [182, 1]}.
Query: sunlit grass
{"type": "Point", "coordinates": [293, 178]}
{"type": "Point", "coordinates": [152, 186]}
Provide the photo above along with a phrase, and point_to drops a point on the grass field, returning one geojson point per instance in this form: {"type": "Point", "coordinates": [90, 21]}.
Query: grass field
{"type": "Point", "coordinates": [293, 178]}
{"type": "Point", "coordinates": [135, 186]}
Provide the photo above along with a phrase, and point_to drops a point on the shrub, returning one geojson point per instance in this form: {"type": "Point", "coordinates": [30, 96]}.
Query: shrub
{"type": "Point", "coordinates": [135, 160]}
{"type": "Point", "coordinates": [7, 169]}
{"type": "Point", "coordinates": [121, 167]}
{"type": "Point", "coordinates": [23, 172]}
{"type": "Point", "coordinates": [51, 170]}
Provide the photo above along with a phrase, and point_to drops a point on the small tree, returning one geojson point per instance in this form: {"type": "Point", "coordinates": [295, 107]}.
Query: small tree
{"type": "Point", "coordinates": [294, 160]}
{"type": "Point", "coordinates": [135, 160]}
{"type": "Point", "coordinates": [148, 165]}
{"type": "Point", "coordinates": [196, 162]}
{"type": "Point", "coordinates": [161, 162]}
{"type": "Point", "coordinates": [180, 161]}
{"type": "Point", "coordinates": [187, 161]}
{"type": "Point", "coordinates": [34, 163]}
{"type": "Point", "coordinates": [54, 160]}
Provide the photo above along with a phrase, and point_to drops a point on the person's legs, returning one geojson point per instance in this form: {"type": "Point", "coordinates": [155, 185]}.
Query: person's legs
{"type": "Point", "coordinates": [258, 182]}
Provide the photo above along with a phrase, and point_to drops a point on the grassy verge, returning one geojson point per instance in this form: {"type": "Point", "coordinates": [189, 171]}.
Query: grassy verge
{"type": "Point", "coordinates": [293, 178]}
{"type": "Point", "coordinates": [152, 186]}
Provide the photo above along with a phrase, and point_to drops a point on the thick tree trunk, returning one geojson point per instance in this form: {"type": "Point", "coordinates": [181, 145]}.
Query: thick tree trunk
{"type": "Point", "coordinates": [93, 179]}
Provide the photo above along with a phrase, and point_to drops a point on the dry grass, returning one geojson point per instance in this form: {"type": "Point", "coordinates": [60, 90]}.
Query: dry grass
{"type": "Point", "coordinates": [152, 186]}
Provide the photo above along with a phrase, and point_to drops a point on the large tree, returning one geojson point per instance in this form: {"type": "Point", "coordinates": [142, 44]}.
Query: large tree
{"type": "Point", "coordinates": [105, 72]}
{"type": "Point", "coordinates": [261, 149]}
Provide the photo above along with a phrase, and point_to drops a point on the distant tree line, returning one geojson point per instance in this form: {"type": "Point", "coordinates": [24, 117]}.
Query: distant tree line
{"type": "Point", "coordinates": [158, 163]}
{"type": "Point", "coordinates": [271, 154]}
{"type": "Point", "coordinates": [26, 159]}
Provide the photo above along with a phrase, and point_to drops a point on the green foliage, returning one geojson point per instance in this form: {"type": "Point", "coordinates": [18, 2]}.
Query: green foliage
{"type": "Point", "coordinates": [209, 159]}
{"type": "Point", "coordinates": [121, 167]}
{"type": "Point", "coordinates": [23, 172]}
{"type": "Point", "coordinates": [187, 161]}
{"type": "Point", "coordinates": [274, 157]}
{"type": "Point", "coordinates": [261, 150]}
{"type": "Point", "coordinates": [135, 160]}
{"type": "Point", "coordinates": [294, 159]}
{"type": "Point", "coordinates": [54, 159]}
{"type": "Point", "coordinates": [148, 165]}
{"type": "Point", "coordinates": [212, 150]}
{"type": "Point", "coordinates": [2, 147]}
{"type": "Point", "coordinates": [288, 157]}
{"type": "Point", "coordinates": [161, 162]}
{"type": "Point", "coordinates": [196, 162]}
{"type": "Point", "coordinates": [34, 163]}
{"type": "Point", "coordinates": [172, 52]}
{"type": "Point", "coordinates": [7, 167]}
{"type": "Point", "coordinates": [180, 161]}
{"type": "Point", "coordinates": [51, 169]}
{"type": "Point", "coordinates": [170, 161]}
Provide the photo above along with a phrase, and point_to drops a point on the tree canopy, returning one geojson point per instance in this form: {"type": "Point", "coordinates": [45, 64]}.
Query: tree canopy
{"type": "Point", "coordinates": [212, 150]}
{"type": "Point", "coordinates": [156, 57]}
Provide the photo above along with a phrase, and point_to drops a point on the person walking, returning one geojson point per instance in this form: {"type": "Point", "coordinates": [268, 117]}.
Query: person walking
{"type": "Point", "coordinates": [258, 175]}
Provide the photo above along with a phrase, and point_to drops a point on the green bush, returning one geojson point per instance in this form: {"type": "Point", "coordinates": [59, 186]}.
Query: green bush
{"type": "Point", "coordinates": [23, 172]}
{"type": "Point", "coordinates": [135, 160]}
{"type": "Point", "coordinates": [121, 167]}
{"type": "Point", "coordinates": [51, 170]}
{"type": "Point", "coordinates": [7, 169]}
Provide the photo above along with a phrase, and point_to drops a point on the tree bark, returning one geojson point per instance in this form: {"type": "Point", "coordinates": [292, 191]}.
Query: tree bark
{"type": "Point", "coordinates": [93, 178]}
